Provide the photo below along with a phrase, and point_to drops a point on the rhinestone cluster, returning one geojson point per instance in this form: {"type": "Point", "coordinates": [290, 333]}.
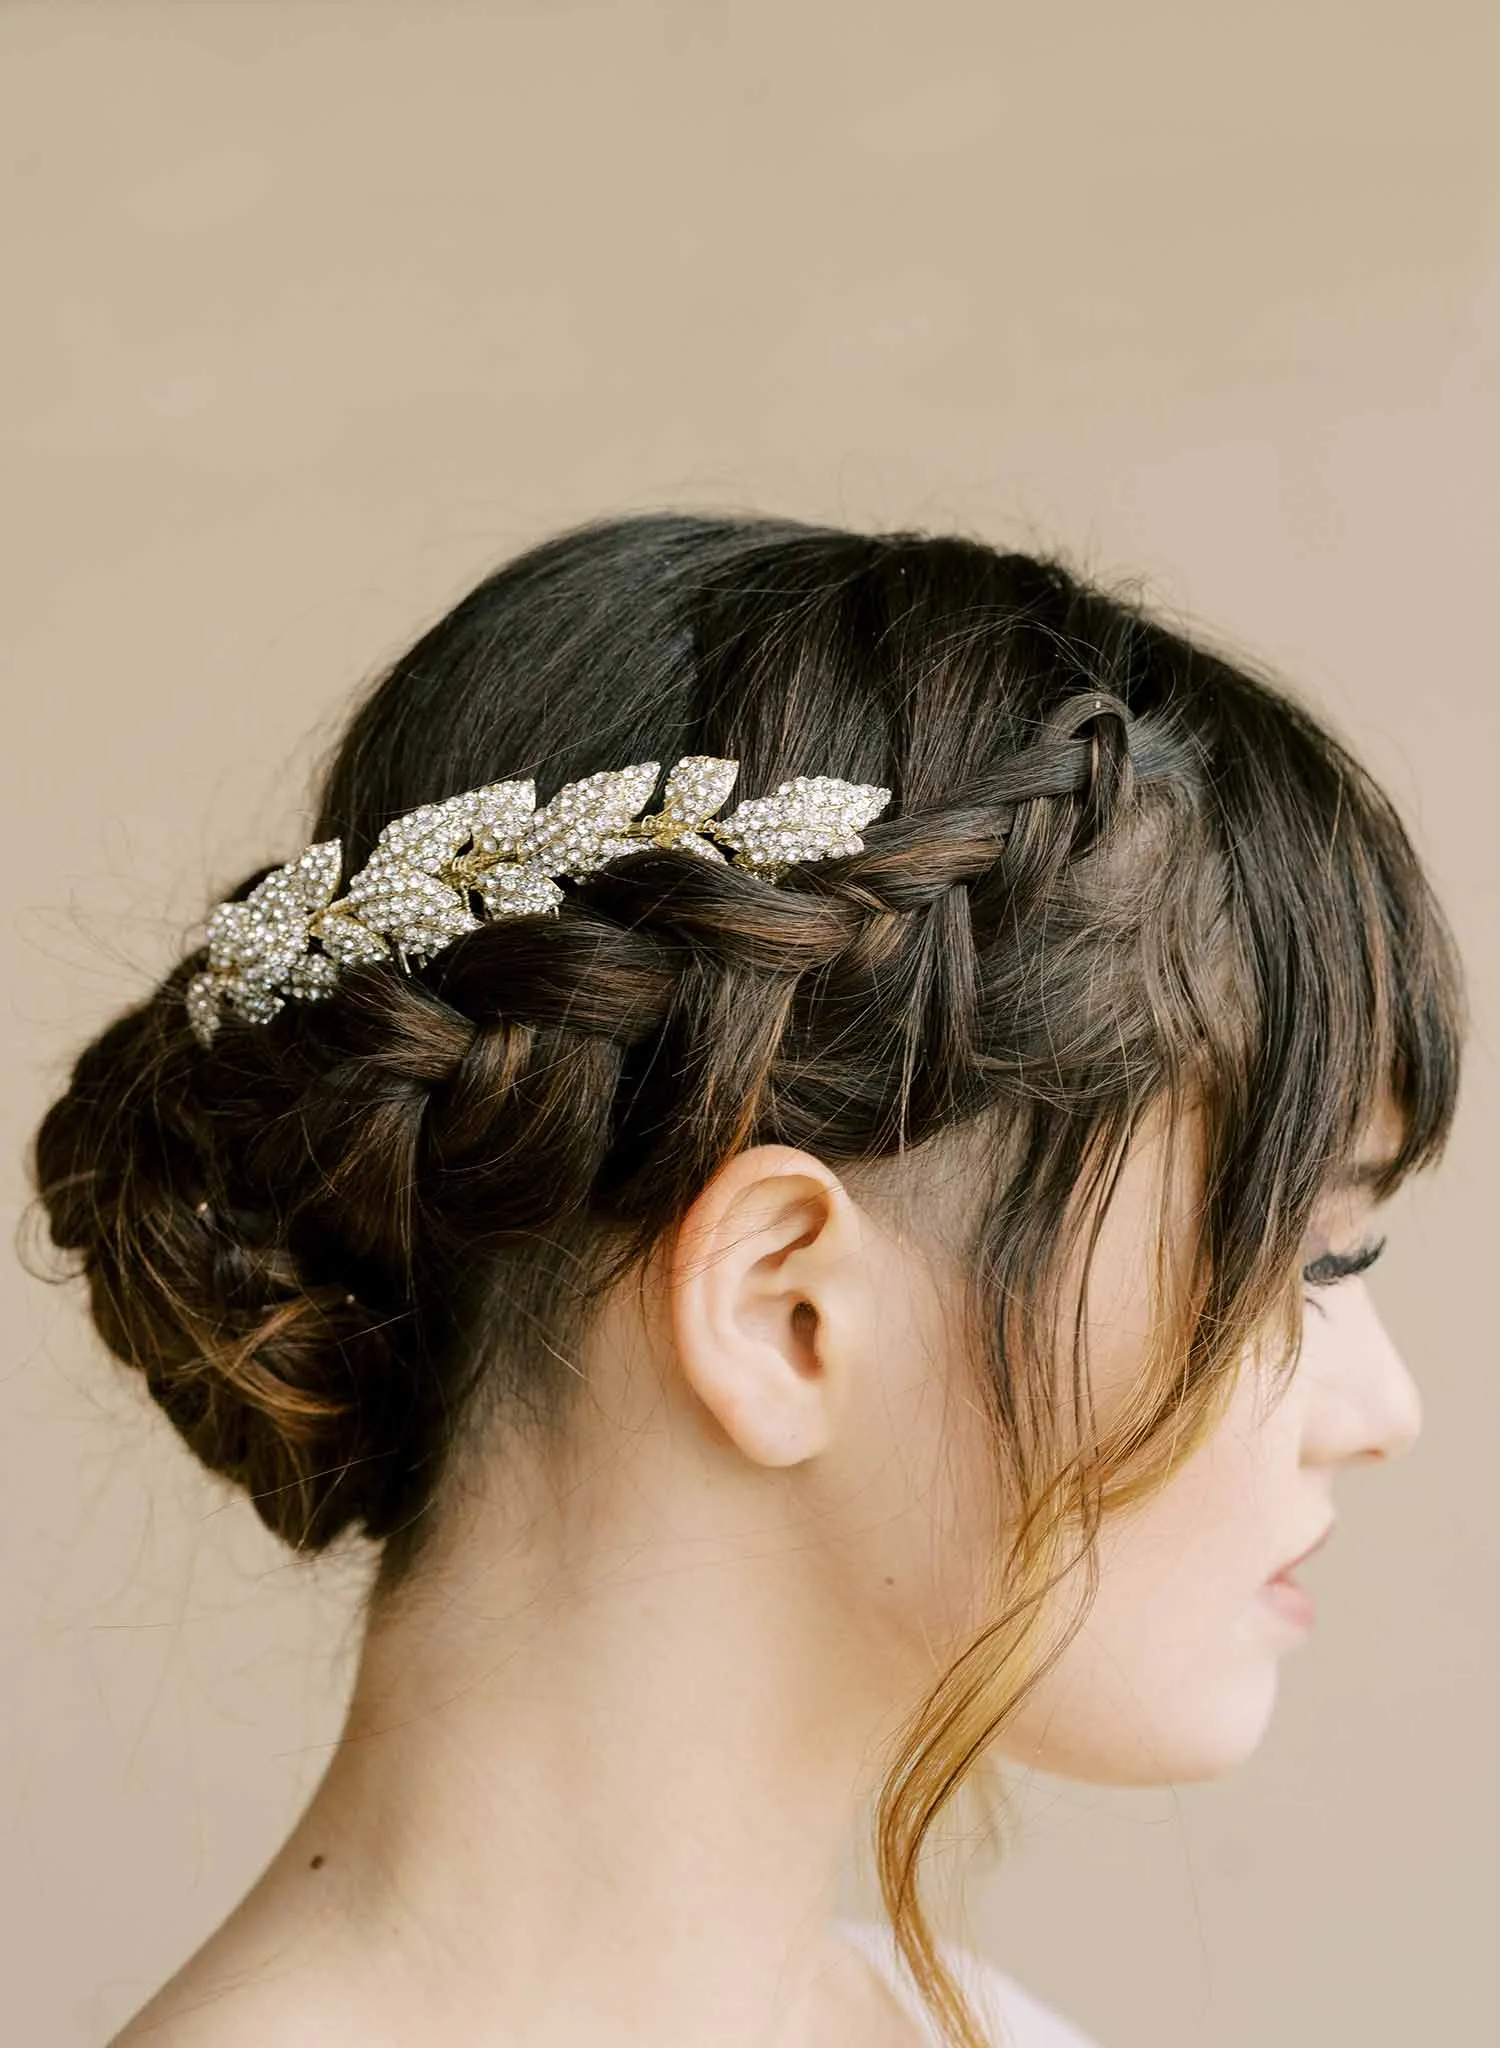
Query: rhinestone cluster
{"type": "Point", "coordinates": [415, 893]}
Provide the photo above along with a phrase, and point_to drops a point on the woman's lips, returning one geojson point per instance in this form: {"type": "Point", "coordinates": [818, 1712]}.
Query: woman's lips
{"type": "Point", "coordinates": [1292, 1602]}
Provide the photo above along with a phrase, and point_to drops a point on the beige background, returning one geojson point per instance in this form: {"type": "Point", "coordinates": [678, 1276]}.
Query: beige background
{"type": "Point", "coordinates": [317, 311]}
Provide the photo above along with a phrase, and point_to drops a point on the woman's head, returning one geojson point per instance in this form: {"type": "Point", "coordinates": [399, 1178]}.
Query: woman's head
{"type": "Point", "coordinates": [1043, 1098]}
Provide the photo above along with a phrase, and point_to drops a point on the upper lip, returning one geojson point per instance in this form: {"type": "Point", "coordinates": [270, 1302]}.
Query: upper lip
{"type": "Point", "coordinates": [1293, 1562]}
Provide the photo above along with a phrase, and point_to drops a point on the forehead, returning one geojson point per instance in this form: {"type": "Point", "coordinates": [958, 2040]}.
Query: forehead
{"type": "Point", "coordinates": [1379, 1142]}
{"type": "Point", "coordinates": [1357, 1185]}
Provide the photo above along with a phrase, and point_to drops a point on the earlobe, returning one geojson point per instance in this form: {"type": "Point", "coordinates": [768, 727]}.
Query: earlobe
{"type": "Point", "coordinates": [765, 1299]}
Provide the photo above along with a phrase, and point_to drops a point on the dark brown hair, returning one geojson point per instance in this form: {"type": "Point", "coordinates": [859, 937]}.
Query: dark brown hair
{"type": "Point", "coordinates": [299, 1235]}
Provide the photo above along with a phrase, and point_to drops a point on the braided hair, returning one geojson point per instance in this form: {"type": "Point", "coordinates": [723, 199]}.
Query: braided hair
{"type": "Point", "coordinates": [1116, 867]}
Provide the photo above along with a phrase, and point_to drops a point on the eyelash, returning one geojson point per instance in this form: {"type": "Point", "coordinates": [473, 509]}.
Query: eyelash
{"type": "Point", "coordinates": [1331, 1267]}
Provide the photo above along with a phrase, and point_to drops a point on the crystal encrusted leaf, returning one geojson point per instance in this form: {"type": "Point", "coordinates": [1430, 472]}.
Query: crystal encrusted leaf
{"type": "Point", "coordinates": [505, 811]}
{"type": "Point", "coordinates": [402, 893]}
{"type": "Point", "coordinates": [430, 836]}
{"type": "Point", "coordinates": [256, 943]}
{"type": "Point", "coordinates": [581, 827]}
{"type": "Point", "coordinates": [509, 890]}
{"type": "Point", "coordinates": [696, 787]}
{"type": "Point", "coordinates": [415, 911]}
{"type": "Point", "coordinates": [314, 874]}
{"type": "Point", "coordinates": [346, 940]}
{"type": "Point", "coordinates": [809, 817]}
{"type": "Point", "coordinates": [312, 976]}
{"type": "Point", "coordinates": [268, 927]}
{"type": "Point", "coordinates": [201, 1000]}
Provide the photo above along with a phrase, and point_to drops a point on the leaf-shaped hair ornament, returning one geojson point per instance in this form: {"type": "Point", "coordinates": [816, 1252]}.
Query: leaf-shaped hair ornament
{"type": "Point", "coordinates": [416, 892]}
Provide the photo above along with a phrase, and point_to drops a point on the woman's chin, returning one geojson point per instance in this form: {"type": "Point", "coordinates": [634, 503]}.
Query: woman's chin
{"type": "Point", "coordinates": [1182, 1744]}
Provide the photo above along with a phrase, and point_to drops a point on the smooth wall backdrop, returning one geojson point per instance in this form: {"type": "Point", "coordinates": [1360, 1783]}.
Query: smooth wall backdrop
{"type": "Point", "coordinates": [315, 312]}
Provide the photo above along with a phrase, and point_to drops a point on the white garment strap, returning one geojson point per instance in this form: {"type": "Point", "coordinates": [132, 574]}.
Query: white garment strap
{"type": "Point", "coordinates": [1013, 2016]}
{"type": "Point", "coordinates": [875, 1941]}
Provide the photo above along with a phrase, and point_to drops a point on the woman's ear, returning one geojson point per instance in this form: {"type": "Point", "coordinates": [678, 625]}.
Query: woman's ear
{"type": "Point", "coordinates": [770, 1300]}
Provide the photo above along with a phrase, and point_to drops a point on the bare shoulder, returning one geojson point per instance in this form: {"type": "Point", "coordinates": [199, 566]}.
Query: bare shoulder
{"type": "Point", "coordinates": [224, 1996]}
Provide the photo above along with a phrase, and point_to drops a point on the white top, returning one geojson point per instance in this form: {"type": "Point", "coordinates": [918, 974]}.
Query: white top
{"type": "Point", "coordinates": [1014, 2018]}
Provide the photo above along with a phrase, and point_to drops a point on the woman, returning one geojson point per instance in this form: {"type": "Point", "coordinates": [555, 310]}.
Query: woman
{"type": "Point", "coordinates": [810, 1300]}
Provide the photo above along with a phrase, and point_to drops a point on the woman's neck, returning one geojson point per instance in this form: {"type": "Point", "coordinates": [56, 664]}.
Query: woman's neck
{"type": "Point", "coordinates": [591, 1788]}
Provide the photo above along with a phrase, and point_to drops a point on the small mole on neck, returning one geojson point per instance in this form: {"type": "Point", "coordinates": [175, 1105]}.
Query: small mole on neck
{"type": "Point", "coordinates": [316, 1861]}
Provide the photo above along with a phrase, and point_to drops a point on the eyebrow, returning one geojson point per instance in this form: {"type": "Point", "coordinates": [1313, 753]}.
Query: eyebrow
{"type": "Point", "coordinates": [1364, 1173]}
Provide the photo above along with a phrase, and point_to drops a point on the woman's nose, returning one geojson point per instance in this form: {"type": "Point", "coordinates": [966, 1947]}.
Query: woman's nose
{"type": "Point", "coordinates": [1366, 1403]}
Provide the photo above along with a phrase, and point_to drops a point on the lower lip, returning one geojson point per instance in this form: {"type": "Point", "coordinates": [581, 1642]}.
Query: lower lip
{"type": "Point", "coordinates": [1293, 1602]}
